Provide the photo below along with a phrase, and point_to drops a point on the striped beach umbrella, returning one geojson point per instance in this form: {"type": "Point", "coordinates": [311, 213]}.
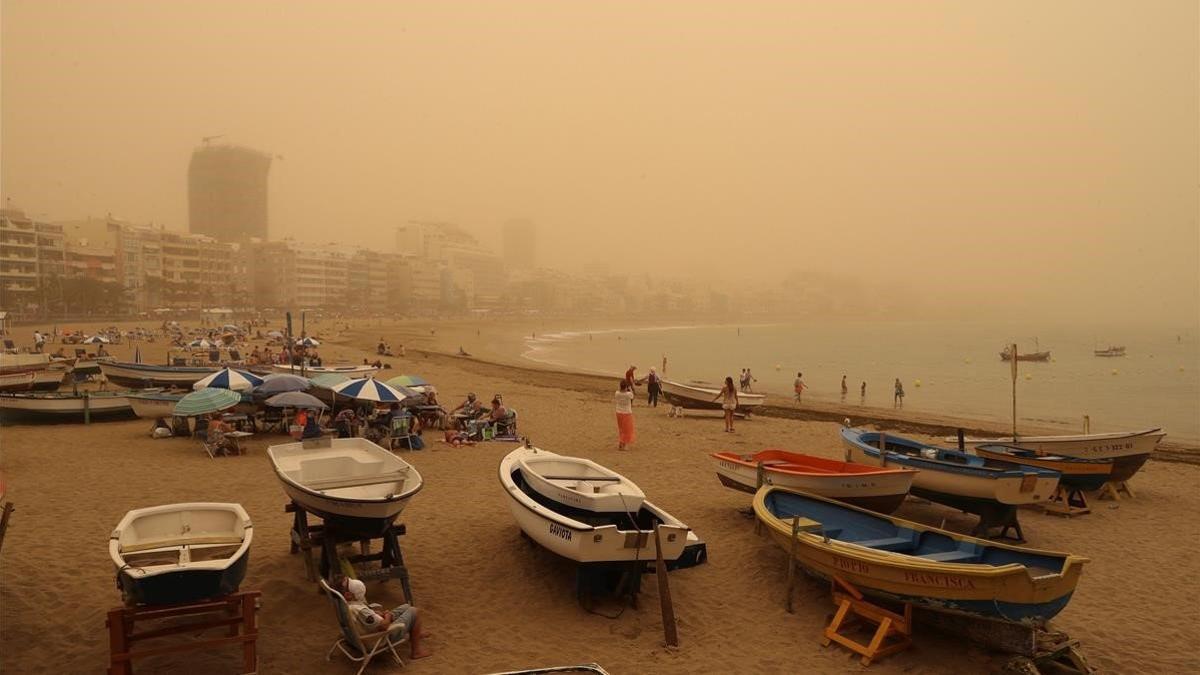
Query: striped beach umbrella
{"type": "Point", "coordinates": [370, 389]}
{"type": "Point", "coordinates": [330, 380]}
{"type": "Point", "coordinates": [228, 378]}
{"type": "Point", "coordinates": [296, 399]}
{"type": "Point", "coordinates": [408, 381]}
{"type": "Point", "coordinates": [206, 401]}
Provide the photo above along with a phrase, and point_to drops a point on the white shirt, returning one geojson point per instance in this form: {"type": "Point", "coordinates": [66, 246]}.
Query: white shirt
{"type": "Point", "coordinates": [624, 401]}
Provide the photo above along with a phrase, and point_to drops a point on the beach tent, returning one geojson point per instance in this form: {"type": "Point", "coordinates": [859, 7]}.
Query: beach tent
{"type": "Point", "coordinates": [296, 399]}
{"type": "Point", "coordinates": [206, 401]}
{"type": "Point", "coordinates": [95, 340]}
{"type": "Point", "coordinates": [228, 378]}
{"type": "Point", "coordinates": [370, 389]}
{"type": "Point", "coordinates": [308, 342]}
{"type": "Point", "coordinates": [278, 383]}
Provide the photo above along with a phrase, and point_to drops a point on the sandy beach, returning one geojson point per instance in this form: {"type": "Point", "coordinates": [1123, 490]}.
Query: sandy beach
{"type": "Point", "coordinates": [495, 602]}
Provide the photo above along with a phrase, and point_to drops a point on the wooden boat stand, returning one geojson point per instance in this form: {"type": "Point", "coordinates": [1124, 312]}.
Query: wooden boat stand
{"type": "Point", "coordinates": [1113, 489]}
{"type": "Point", "coordinates": [239, 612]}
{"type": "Point", "coordinates": [307, 537]}
{"type": "Point", "coordinates": [1004, 518]}
{"type": "Point", "coordinates": [893, 632]}
{"type": "Point", "coordinates": [8, 509]}
{"type": "Point", "coordinates": [1067, 502]}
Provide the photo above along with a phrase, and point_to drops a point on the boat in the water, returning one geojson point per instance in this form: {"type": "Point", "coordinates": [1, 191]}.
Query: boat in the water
{"type": "Point", "coordinates": [1110, 351]}
{"type": "Point", "coordinates": [580, 534]}
{"type": "Point", "coordinates": [350, 483]}
{"type": "Point", "coordinates": [894, 559]}
{"type": "Point", "coordinates": [1006, 355]}
{"type": "Point", "coordinates": [1129, 450]}
{"type": "Point", "coordinates": [871, 487]}
{"type": "Point", "coordinates": [154, 403]}
{"type": "Point", "coordinates": [143, 375]}
{"type": "Point", "coordinates": [580, 483]}
{"type": "Point", "coordinates": [1076, 472]}
{"type": "Point", "coordinates": [180, 553]}
{"type": "Point", "coordinates": [700, 397]}
{"type": "Point", "coordinates": [59, 407]}
{"type": "Point", "coordinates": [351, 371]}
{"type": "Point", "coordinates": [951, 477]}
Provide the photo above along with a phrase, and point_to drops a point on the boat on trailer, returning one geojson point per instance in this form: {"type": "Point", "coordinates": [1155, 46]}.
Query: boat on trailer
{"type": "Point", "coordinates": [699, 397]}
{"type": "Point", "coordinates": [881, 489]}
{"type": "Point", "coordinates": [895, 559]}
{"type": "Point", "coordinates": [1076, 472]}
{"type": "Point", "coordinates": [1129, 450]}
{"type": "Point", "coordinates": [179, 553]}
{"type": "Point", "coordinates": [142, 375]}
{"type": "Point", "coordinates": [60, 407]}
{"type": "Point", "coordinates": [350, 483]}
{"type": "Point", "coordinates": [580, 534]}
{"type": "Point", "coordinates": [951, 477]}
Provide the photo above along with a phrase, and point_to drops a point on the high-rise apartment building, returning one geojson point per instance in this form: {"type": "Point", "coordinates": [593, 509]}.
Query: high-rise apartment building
{"type": "Point", "coordinates": [227, 192]}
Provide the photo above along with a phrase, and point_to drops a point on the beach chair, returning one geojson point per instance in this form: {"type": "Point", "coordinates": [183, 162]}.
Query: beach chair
{"type": "Point", "coordinates": [506, 429]}
{"type": "Point", "coordinates": [354, 645]}
{"type": "Point", "coordinates": [10, 347]}
{"type": "Point", "coordinates": [401, 433]}
{"type": "Point", "coordinates": [201, 430]}
{"type": "Point", "coordinates": [213, 449]}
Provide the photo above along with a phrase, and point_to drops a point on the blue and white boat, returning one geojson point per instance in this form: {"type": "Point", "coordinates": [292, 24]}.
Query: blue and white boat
{"type": "Point", "coordinates": [952, 477]}
{"type": "Point", "coordinates": [142, 375]}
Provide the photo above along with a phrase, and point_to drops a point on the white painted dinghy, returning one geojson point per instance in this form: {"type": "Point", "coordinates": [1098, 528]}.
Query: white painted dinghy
{"type": "Point", "coordinates": [581, 483]}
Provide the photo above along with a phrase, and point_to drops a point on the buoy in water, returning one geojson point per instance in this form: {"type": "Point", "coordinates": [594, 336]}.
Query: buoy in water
{"type": "Point", "coordinates": [777, 366]}
{"type": "Point", "coordinates": [966, 360]}
{"type": "Point", "coordinates": [1114, 372]}
{"type": "Point", "coordinates": [917, 383]}
{"type": "Point", "coordinates": [1028, 376]}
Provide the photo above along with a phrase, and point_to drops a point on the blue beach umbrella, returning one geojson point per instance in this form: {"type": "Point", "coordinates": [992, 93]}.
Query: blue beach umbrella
{"type": "Point", "coordinates": [206, 401]}
{"type": "Point", "coordinates": [370, 389]}
{"type": "Point", "coordinates": [279, 383]}
{"type": "Point", "coordinates": [296, 399]}
{"type": "Point", "coordinates": [228, 378]}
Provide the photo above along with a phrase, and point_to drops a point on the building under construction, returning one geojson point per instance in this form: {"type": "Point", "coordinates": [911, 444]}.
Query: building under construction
{"type": "Point", "coordinates": [227, 192]}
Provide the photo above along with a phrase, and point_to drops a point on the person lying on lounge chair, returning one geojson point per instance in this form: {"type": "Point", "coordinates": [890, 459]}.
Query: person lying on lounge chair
{"type": "Point", "coordinates": [371, 617]}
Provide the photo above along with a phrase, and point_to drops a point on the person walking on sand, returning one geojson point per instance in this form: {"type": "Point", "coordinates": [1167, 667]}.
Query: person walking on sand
{"type": "Point", "coordinates": [653, 388]}
{"type": "Point", "coordinates": [729, 402]}
{"type": "Point", "coordinates": [798, 386]}
{"type": "Point", "coordinates": [898, 398]}
{"type": "Point", "coordinates": [631, 377]}
{"type": "Point", "coordinates": [623, 399]}
{"type": "Point", "coordinates": [862, 393]}
{"type": "Point", "coordinates": [845, 389]}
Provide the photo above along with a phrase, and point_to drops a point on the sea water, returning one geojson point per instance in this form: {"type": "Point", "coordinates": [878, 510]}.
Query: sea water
{"type": "Point", "coordinates": [947, 368]}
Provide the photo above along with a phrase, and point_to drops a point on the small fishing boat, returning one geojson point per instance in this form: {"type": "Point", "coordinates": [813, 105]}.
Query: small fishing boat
{"type": "Point", "coordinates": [351, 483]}
{"type": "Point", "coordinates": [580, 483]}
{"type": "Point", "coordinates": [871, 487]}
{"type": "Point", "coordinates": [180, 553]}
{"type": "Point", "coordinates": [1129, 450]}
{"type": "Point", "coordinates": [698, 397]}
{"type": "Point", "coordinates": [1111, 351]}
{"type": "Point", "coordinates": [894, 559]}
{"type": "Point", "coordinates": [351, 371]}
{"type": "Point", "coordinates": [142, 375]}
{"type": "Point", "coordinates": [90, 365]}
{"type": "Point", "coordinates": [1006, 355]}
{"type": "Point", "coordinates": [49, 379]}
{"type": "Point", "coordinates": [18, 381]}
{"type": "Point", "coordinates": [951, 477]}
{"type": "Point", "coordinates": [60, 407]}
{"type": "Point", "coordinates": [1078, 473]}
{"type": "Point", "coordinates": [583, 535]}
{"type": "Point", "coordinates": [154, 403]}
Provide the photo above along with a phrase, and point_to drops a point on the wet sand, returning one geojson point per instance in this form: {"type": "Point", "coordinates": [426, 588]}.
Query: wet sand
{"type": "Point", "coordinates": [496, 602]}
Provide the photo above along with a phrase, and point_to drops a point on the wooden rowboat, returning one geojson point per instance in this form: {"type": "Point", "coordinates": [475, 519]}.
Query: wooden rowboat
{"type": "Point", "coordinates": [180, 553]}
{"type": "Point", "coordinates": [695, 397]}
{"type": "Point", "coordinates": [1078, 473]}
{"type": "Point", "coordinates": [60, 407]}
{"type": "Point", "coordinates": [896, 559]}
{"type": "Point", "coordinates": [880, 489]}
{"type": "Point", "coordinates": [580, 483]}
{"type": "Point", "coordinates": [142, 375]}
{"type": "Point", "coordinates": [1128, 449]}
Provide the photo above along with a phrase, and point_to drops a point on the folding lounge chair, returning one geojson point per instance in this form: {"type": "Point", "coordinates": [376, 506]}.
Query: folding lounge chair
{"type": "Point", "coordinates": [402, 434]}
{"type": "Point", "coordinates": [354, 645]}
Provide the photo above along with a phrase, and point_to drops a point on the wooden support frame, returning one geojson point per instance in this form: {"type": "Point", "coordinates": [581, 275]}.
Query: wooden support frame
{"type": "Point", "coordinates": [4, 518]}
{"type": "Point", "coordinates": [1067, 502]}
{"type": "Point", "coordinates": [1113, 489]}
{"type": "Point", "coordinates": [893, 633]}
{"type": "Point", "coordinates": [238, 613]}
{"type": "Point", "coordinates": [305, 538]}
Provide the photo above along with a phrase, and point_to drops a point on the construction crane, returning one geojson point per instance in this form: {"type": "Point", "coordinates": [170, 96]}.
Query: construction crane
{"type": "Point", "coordinates": [206, 139]}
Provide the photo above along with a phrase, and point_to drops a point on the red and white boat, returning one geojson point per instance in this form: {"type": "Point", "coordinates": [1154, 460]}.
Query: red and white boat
{"type": "Point", "coordinates": [880, 489]}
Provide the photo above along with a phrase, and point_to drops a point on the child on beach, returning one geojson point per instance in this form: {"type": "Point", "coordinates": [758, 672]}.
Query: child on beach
{"type": "Point", "coordinates": [729, 402]}
{"type": "Point", "coordinates": [623, 398]}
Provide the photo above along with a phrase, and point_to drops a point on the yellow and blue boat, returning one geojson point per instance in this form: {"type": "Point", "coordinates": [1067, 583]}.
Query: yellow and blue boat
{"type": "Point", "coordinates": [1077, 472]}
{"type": "Point", "coordinates": [896, 559]}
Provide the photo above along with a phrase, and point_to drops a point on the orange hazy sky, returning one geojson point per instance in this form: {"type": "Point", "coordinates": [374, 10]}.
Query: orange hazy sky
{"type": "Point", "coordinates": [1030, 155]}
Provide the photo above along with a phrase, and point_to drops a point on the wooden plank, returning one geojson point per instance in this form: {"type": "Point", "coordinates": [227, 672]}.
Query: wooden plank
{"type": "Point", "coordinates": [670, 630]}
{"type": "Point", "coordinates": [345, 482]}
{"type": "Point", "coordinates": [181, 541]}
{"type": "Point", "coordinates": [791, 569]}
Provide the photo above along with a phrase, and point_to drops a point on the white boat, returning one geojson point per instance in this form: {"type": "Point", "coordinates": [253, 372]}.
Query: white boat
{"type": "Point", "coordinates": [91, 364]}
{"type": "Point", "coordinates": [351, 371]}
{"type": "Point", "coordinates": [180, 553]}
{"type": "Point", "coordinates": [585, 536]}
{"type": "Point", "coordinates": [142, 375]}
{"type": "Point", "coordinates": [63, 406]}
{"type": "Point", "coordinates": [49, 379]}
{"type": "Point", "coordinates": [350, 481]}
{"type": "Point", "coordinates": [152, 404]}
{"type": "Point", "coordinates": [580, 483]}
{"type": "Point", "coordinates": [1129, 450]}
{"type": "Point", "coordinates": [17, 381]}
{"type": "Point", "coordinates": [696, 397]}
{"type": "Point", "coordinates": [20, 362]}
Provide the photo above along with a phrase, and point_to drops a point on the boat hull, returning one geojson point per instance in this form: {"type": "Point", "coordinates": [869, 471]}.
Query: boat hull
{"type": "Point", "coordinates": [139, 375]}
{"type": "Point", "coordinates": [29, 407]}
{"type": "Point", "coordinates": [49, 379]}
{"type": "Point", "coordinates": [1129, 451]}
{"type": "Point", "coordinates": [699, 398]}
{"type": "Point", "coordinates": [1008, 591]}
{"type": "Point", "coordinates": [314, 371]}
{"type": "Point", "coordinates": [153, 407]}
{"type": "Point", "coordinates": [876, 490]}
{"type": "Point", "coordinates": [558, 528]}
{"type": "Point", "coordinates": [1077, 473]}
{"type": "Point", "coordinates": [184, 585]}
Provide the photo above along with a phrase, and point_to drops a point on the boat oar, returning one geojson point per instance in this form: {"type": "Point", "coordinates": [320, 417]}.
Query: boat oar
{"type": "Point", "coordinates": [670, 630]}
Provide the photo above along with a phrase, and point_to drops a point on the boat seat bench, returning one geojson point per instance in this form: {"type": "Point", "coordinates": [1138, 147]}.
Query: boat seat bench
{"type": "Point", "coordinates": [152, 544]}
{"type": "Point", "coordinates": [894, 544]}
{"type": "Point", "coordinates": [346, 482]}
{"type": "Point", "coordinates": [951, 556]}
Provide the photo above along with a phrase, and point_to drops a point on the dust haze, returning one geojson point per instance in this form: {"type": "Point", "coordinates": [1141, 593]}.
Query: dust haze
{"type": "Point", "coordinates": [1018, 158]}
